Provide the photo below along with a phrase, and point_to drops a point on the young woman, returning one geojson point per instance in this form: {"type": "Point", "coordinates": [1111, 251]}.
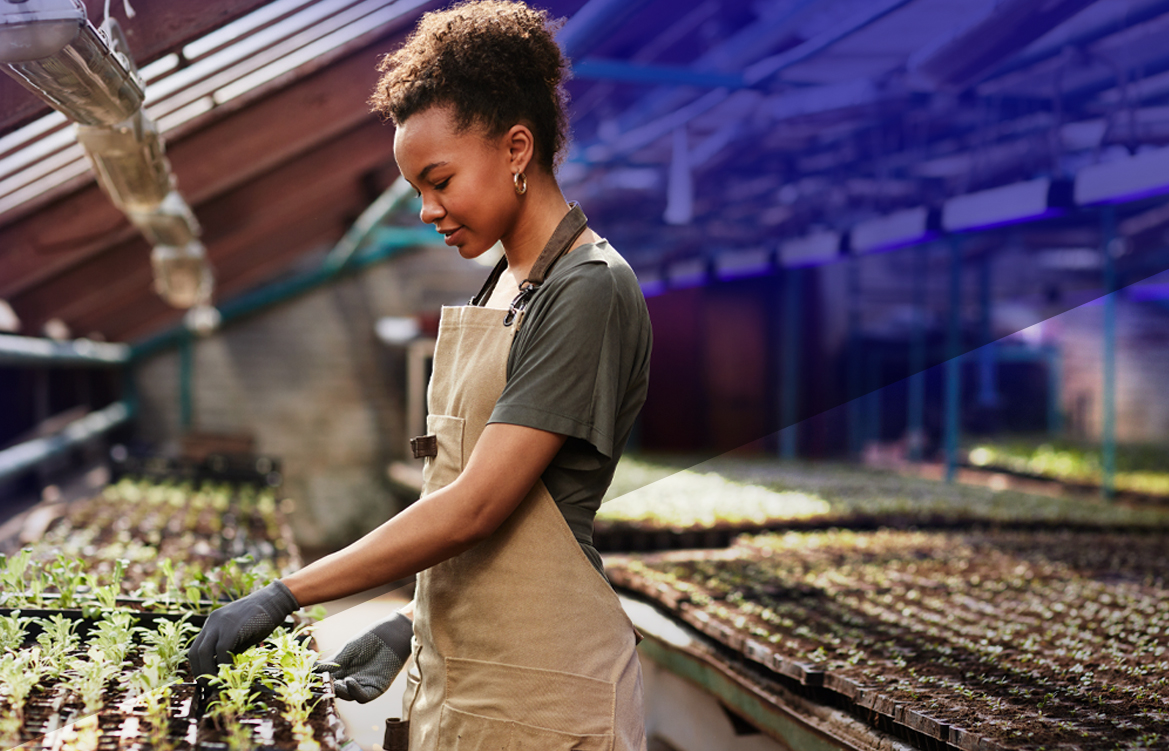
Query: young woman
{"type": "Point", "coordinates": [518, 640]}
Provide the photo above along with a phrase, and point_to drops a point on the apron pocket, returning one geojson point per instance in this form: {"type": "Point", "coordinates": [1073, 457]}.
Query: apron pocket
{"type": "Point", "coordinates": [464, 731]}
{"type": "Point", "coordinates": [441, 470]}
{"type": "Point", "coordinates": [562, 704]}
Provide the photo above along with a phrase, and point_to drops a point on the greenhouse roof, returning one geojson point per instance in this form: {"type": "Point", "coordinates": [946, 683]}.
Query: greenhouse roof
{"type": "Point", "coordinates": [701, 129]}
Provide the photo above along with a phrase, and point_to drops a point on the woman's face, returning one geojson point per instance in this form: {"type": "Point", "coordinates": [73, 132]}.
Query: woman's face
{"type": "Point", "coordinates": [463, 178]}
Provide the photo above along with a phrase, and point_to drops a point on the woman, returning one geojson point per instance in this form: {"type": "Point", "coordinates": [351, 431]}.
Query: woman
{"type": "Point", "coordinates": [518, 640]}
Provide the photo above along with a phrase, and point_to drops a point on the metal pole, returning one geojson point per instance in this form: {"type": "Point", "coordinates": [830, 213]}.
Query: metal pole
{"type": "Point", "coordinates": [987, 371]}
{"type": "Point", "coordinates": [1111, 242]}
{"type": "Point", "coordinates": [186, 368]}
{"type": "Point", "coordinates": [853, 360]}
{"type": "Point", "coordinates": [1054, 386]}
{"type": "Point", "coordinates": [916, 406]}
{"type": "Point", "coordinates": [873, 429]}
{"type": "Point", "coordinates": [953, 361]}
{"type": "Point", "coordinates": [791, 362]}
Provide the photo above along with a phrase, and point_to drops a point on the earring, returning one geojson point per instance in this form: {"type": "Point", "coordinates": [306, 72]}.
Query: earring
{"type": "Point", "coordinates": [521, 183]}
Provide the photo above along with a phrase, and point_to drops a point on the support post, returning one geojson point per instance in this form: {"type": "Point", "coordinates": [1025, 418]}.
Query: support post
{"type": "Point", "coordinates": [791, 361]}
{"type": "Point", "coordinates": [853, 361]}
{"type": "Point", "coordinates": [988, 395]}
{"type": "Point", "coordinates": [186, 373]}
{"type": "Point", "coordinates": [953, 360]}
{"type": "Point", "coordinates": [1054, 387]}
{"type": "Point", "coordinates": [916, 407]}
{"type": "Point", "coordinates": [873, 398]}
{"type": "Point", "coordinates": [1111, 246]}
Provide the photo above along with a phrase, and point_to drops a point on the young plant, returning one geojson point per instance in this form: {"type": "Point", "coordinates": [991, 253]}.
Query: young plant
{"type": "Point", "coordinates": [113, 635]}
{"type": "Point", "coordinates": [237, 694]}
{"type": "Point", "coordinates": [57, 639]}
{"type": "Point", "coordinates": [67, 576]}
{"type": "Point", "coordinates": [13, 629]}
{"type": "Point", "coordinates": [107, 596]}
{"type": "Point", "coordinates": [20, 673]}
{"type": "Point", "coordinates": [169, 641]}
{"type": "Point", "coordinates": [155, 704]}
{"type": "Point", "coordinates": [88, 678]}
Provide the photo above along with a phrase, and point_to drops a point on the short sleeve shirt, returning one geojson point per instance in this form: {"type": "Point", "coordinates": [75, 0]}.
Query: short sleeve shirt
{"type": "Point", "coordinates": [579, 366]}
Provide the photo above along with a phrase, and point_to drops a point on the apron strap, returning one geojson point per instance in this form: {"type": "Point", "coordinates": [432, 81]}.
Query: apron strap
{"type": "Point", "coordinates": [571, 227]}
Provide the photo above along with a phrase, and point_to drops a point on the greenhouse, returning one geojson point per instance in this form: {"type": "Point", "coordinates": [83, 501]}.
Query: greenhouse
{"type": "Point", "coordinates": [782, 375]}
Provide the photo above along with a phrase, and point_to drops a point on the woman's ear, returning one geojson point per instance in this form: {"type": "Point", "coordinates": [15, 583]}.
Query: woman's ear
{"type": "Point", "coordinates": [521, 147]}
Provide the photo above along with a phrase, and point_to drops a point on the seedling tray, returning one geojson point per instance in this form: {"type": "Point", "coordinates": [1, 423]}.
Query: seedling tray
{"type": "Point", "coordinates": [982, 641]}
{"type": "Point", "coordinates": [54, 713]}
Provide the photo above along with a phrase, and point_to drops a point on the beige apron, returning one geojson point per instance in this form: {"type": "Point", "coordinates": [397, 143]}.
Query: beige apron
{"type": "Point", "coordinates": [519, 643]}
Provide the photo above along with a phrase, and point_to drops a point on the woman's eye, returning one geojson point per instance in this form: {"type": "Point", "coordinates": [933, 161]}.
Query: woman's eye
{"type": "Point", "coordinates": [442, 185]}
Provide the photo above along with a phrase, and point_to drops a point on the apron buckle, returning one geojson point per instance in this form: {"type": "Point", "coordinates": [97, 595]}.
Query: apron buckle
{"type": "Point", "coordinates": [520, 302]}
{"type": "Point", "coordinates": [424, 446]}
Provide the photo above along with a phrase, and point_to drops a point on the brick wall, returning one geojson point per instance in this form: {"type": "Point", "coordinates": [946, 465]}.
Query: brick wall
{"type": "Point", "coordinates": [315, 387]}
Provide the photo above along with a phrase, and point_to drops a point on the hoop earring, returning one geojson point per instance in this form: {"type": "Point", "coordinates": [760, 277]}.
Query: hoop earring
{"type": "Point", "coordinates": [521, 183]}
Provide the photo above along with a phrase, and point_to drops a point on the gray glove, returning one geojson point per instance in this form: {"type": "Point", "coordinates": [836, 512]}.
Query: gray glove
{"type": "Point", "coordinates": [368, 663]}
{"type": "Point", "coordinates": [239, 625]}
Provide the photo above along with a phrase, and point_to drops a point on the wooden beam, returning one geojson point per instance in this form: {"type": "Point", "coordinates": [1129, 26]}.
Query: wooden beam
{"type": "Point", "coordinates": [280, 213]}
{"type": "Point", "coordinates": [208, 162]}
{"type": "Point", "coordinates": [158, 28]}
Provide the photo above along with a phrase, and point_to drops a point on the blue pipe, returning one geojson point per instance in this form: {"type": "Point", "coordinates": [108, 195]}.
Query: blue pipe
{"type": "Point", "coordinates": [954, 360]}
{"type": "Point", "coordinates": [28, 350]}
{"type": "Point", "coordinates": [916, 405]}
{"type": "Point", "coordinates": [791, 362]}
{"type": "Point", "coordinates": [27, 455]}
{"type": "Point", "coordinates": [1108, 233]}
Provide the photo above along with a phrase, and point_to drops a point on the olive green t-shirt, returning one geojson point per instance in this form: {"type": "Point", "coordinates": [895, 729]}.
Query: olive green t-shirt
{"type": "Point", "coordinates": [579, 366]}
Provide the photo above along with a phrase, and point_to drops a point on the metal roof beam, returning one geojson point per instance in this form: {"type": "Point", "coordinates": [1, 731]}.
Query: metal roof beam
{"type": "Point", "coordinates": [961, 61]}
{"type": "Point", "coordinates": [596, 20]}
{"type": "Point", "coordinates": [1123, 21]}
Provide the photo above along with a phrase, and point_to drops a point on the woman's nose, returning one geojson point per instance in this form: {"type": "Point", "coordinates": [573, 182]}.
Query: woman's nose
{"type": "Point", "coordinates": [431, 211]}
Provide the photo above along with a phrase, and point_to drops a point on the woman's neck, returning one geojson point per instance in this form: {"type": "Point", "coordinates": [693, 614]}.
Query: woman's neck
{"type": "Point", "coordinates": [543, 208]}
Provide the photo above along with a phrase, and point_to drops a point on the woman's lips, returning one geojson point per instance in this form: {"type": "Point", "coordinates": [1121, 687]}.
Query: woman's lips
{"type": "Point", "coordinates": [452, 237]}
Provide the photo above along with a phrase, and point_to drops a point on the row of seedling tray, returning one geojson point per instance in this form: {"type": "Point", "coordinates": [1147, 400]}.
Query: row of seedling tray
{"type": "Point", "coordinates": [96, 618]}
{"type": "Point", "coordinates": [983, 641]}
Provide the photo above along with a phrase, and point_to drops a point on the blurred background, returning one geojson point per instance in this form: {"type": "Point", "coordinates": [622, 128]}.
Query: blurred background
{"type": "Point", "coordinates": [824, 203]}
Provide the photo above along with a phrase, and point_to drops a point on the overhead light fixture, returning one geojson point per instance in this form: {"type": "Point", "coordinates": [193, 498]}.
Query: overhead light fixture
{"type": "Point", "coordinates": [171, 224]}
{"type": "Point", "coordinates": [811, 250]}
{"type": "Point", "coordinates": [182, 276]}
{"type": "Point", "coordinates": [9, 321]}
{"type": "Point", "coordinates": [51, 49]}
{"type": "Point", "coordinates": [129, 161]}
{"type": "Point", "coordinates": [1140, 176]}
{"type": "Point", "coordinates": [1008, 204]}
{"type": "Point", "coordinates": [740, 264]}
{"type": "Point", "coordinates": [203, 319]}
{"type": "Point", "coordinates": [896, 230]}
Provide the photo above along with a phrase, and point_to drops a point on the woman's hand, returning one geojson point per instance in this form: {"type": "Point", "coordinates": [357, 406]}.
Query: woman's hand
{"type": "Point", "coordinates": [368, 663]}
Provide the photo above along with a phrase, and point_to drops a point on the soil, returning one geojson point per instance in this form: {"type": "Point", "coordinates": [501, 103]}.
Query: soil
{"type": "Point", "coordinates": [975, 640]}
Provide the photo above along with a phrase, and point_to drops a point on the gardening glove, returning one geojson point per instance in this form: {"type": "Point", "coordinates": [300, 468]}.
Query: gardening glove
{"type": "Point", "coordinates": [239, 625]}
{"type": "Point", "coordinates": [368, 663]}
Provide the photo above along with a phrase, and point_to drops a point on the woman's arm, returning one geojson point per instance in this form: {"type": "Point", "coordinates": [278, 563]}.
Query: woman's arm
{"type": "Point", "coordinates": [506, 462]}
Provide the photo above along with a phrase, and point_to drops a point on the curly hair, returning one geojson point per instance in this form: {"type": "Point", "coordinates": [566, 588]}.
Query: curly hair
{"type": "Point", "coordinates": [496, 63]}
